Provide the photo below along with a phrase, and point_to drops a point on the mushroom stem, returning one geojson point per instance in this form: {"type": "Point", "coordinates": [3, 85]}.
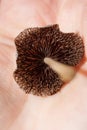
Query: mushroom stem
{"type": "Point", "coordinates": [65, 72]}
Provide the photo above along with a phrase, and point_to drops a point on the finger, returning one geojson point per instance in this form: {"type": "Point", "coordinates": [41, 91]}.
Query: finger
{"type": "Point", "coordinates": [11, 96]}
{"type": "Point", "coordinates": [23, 14]}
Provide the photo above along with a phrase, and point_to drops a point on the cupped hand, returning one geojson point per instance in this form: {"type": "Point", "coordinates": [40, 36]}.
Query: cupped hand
{"type": "Point", "coordinates": [66, 110]}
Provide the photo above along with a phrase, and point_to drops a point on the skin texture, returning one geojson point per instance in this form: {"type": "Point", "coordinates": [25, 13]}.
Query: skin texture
{"type": "Point", "coordinates": [66, 110]}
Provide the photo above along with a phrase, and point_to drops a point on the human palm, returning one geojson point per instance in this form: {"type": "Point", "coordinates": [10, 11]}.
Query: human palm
{"type": "Point", "coordinates": [66, 110]}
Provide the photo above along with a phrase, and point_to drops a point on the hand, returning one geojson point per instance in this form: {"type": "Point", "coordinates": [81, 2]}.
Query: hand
{"type": "Point", "coordinates": [66, 110]}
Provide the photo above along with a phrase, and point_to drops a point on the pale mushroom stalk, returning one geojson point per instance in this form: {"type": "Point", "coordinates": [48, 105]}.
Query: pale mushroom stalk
{"type": "Point", "coordinates": [65, 72]}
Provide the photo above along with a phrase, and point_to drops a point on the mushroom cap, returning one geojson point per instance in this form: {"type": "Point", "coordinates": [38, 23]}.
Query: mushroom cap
{"type": "Point", "coordinates": [33, 45]}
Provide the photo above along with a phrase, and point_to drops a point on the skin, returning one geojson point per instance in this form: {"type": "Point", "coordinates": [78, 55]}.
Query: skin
{"type": "Point", "coordinates": [66, 110]}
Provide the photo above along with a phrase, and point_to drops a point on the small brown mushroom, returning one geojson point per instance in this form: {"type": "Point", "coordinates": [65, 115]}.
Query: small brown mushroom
{"type": "Point", "coordinates": [46, 59]}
